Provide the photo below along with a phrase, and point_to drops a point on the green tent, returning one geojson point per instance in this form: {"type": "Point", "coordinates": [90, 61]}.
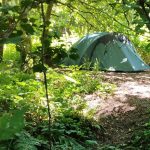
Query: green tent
{"type": "Point", "coordinates": [110, 51]}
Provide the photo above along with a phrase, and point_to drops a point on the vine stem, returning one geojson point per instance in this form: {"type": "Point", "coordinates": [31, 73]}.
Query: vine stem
{"type": "Point", "coordinates": [44, 73]}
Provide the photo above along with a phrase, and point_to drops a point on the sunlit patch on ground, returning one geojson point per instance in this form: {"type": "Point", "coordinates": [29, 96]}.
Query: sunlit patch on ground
{"type": "Point", "coordinates": [128, 85]}
{"type": "Point", "coordinates": [134, 89]}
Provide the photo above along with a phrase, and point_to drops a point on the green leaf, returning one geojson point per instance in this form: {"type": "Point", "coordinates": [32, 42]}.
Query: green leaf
{"type": "Point", "coordinates": [74, 56]}
{"type": "Point", "coordinates": [148, 48]}
{"type": "Point", "coordinates": [14, 40]}
{"type": "Point", "coordinates": [32, 20]}
{"type": "Point", "coordinates": [138, 28]}
{"type": "Point", "coordinates": [73, 50]}
{"type": "Point", "coordinates": [27, 28]}
{"type": "Point", "coordinates": [27, 142]}
{"type": "Point", "coordinates": [134, 5]}
{"type": "Point", "coordinates": [91, 142]}
{"type": "Point", "coordinates": [11, 123]}
{"type": "Point", "coordinates": [26, 3]}
{"type": "Point", "coordinates": [39, 68]}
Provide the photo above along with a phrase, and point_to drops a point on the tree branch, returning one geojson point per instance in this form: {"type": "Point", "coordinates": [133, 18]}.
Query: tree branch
{"type": "Point", "coordinates": [125, 15]}
{"type": "Point", "coordinates": [74, 9]}
{"type": "Point", "coordinates": [145, 13]}
{"type": "Point", "coordinates": [92, 12]}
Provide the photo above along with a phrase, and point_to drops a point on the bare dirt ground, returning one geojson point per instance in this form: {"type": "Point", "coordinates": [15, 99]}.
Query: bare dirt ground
{"type": "Point", "coordinates": [127, 109]}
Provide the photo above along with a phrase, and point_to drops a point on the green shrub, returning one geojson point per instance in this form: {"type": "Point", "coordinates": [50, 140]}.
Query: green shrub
{"type": "Point", "coordinates": [71, 128]}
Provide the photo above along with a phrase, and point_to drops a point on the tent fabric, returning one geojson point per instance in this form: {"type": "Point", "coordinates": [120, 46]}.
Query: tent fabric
{"type": "Point", "coordinates": [112, 51]}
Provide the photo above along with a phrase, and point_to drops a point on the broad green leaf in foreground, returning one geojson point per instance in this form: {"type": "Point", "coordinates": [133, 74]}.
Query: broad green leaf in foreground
{"type": "Point", "coordinates": [10, 124]}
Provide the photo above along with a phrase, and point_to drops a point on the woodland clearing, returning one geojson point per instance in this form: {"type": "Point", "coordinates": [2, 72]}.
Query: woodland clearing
{"type": "Point", "coordinates": [124, 112]}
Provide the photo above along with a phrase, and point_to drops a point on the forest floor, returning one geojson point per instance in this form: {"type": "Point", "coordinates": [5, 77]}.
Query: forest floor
{"type": "Point", "coordinates": [124, 112]}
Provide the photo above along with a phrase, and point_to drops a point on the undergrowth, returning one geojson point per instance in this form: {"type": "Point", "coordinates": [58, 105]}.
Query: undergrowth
{"type": "Point", "coordinates": [23, 111]}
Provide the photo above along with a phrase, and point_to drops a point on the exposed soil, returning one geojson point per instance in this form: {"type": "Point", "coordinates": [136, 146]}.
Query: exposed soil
{"type": "Point", "coordinates": [124, 112]}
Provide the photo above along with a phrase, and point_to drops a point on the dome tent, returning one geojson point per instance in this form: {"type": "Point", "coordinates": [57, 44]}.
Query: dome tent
{"type": "Point", "coordinates": [113, 51]}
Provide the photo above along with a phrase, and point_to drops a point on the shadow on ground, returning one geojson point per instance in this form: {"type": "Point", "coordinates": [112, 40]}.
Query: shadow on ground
{"type": "Point", "coordinates": [124, 112]}
{"type": "Point", "coordinates": [119, 125]}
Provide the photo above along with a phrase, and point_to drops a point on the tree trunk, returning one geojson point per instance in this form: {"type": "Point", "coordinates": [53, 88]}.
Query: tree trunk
{"type": "Point", "coordinates": [47, 58]}
{"type": "Point", "coordinates": [1, 52]}
{"type": "Point", "coordinates": [24, 47]}
{"type": "Point", "coordinates": [2, 45]}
